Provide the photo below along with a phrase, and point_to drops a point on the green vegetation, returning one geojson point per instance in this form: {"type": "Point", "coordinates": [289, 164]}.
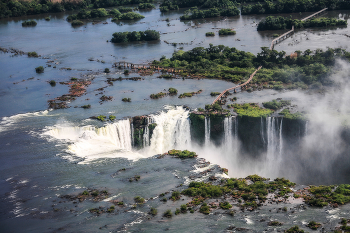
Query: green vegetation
{"type": "Point", "coordinates": [20, 8]}
{"type": "Point", "coordinates": [279, 22]}
{"type": "Point", "coordinates": [204, 209]}
{"type": "Point", "coordinates": [252, 194]}
{"type": "Point", "coordinates": [52, 83]}
{"type": "Point", "coordinates": [182, 154]}
{"type": "Point", "coordinates": [153, 211]}
{"type": "Point", "coordinates": [279, 71]}
{"type": "Point", "coordinates": [226, 31]}
{"type": "Point", "coordinates": [209, 34]}
{"type": "Point", "coordinates": [225, 205]}
{"type": "Point", "coordinates": [76, 23]}
{"type": "Point", "coordinates": [125, 9]}
{"type": "Point", "coordinates": [47, 18]}
{"type": "Point", "coordinates": [122, 37]}
{"type": "Point", "coordinates": [39, 69]}
{"type": "Point", "coordinates": [32, 54]}
{"type": "Point", "coordinates": [128, 16]}
{"type": "Point", "coordinates": [101, 118]}
{"type": "Point", "coordinates": [324, 195]}
{"type": "Point", "coordinates": [126, 99]}
{"type": "Point", "coordinates": [287, 6]}
{"type": "Point", "coordinates": [177, 211]}
{"type": "Point", "coordinates": [286, 114]}
{"type": "Point", "coordinates": [195, 13]}
{"type": "Point", "coordinates": [276, 104]}
{"type": "Point", "coordinates": [86, 106]}
{"type": "Point", "coordinates": [146, 6]}
{"type": "Point", "coordinates": [107, 70]}
{"type": "Point", "coordinates": [139, 200]}
{"type": "Point", "coordinates": [86, 14]}
{"type": "Point", "coordinates": [189, 94]}
{"type": "Point", "coordinates": [126, 72]}
{"type": "Point", "coordinates": [175, 195]}
{"type": "Point", "coordinates": [85, 193]}
{"type": "Point", "coordinates": [172, 91]}
{"type": "Point", "coordinates": [251, 110]}
{"type": "Point", "coordinates": [294, 229]}
{"type": "Point", "coordinates": [183, 208]}
{"type": "Point", "coordinates": [158, 95]}
{"type": "Point", "coordinates": [168, 214]}
{"type": "Point", "coordinates": [112, 117]}
{"type": "Point", "coordinates": [215, 93]}
{"type": "Point", "coordinates": [111, 209]}
{"type": "Point", "coordinates": [29, 23]}
{"type": "Point", "coordinates": [274, 223]}
{"type": "Point", "coordinates": [313, 225]}
{"type": "Point", "coordinates": [255, 178]}
{"type": "Point", "coordinates": [168, 5]}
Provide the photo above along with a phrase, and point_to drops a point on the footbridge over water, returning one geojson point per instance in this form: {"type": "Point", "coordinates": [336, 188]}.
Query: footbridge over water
{"type": "Point", "coordinates": [275, 41]}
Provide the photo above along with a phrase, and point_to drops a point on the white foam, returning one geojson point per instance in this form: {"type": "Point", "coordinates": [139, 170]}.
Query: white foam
{"type": "Point", "coordinates": [92, 143]}
{"type": "Point", "coordinates": [7, 123]}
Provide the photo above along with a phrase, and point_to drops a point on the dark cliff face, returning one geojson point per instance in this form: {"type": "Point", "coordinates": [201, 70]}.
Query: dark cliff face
{"type": "Point", "coordinates": [250, 136]}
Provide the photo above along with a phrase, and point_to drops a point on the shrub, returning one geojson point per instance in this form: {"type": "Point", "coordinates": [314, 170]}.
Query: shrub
{"type": "Point", "coordinates": [47, 18]}
{"type": "Point", "coordinates": [126, 99]}
{"type": "Point", "coordinates": [226, 31]}
{"type": "Point", "coordinates": [76, 23]}
{"type": "Point", "coordinates": [126, 72]}
{"type": "Point", "coordinates": [130, 16]}
{"type": "Point", "coordinates": [101, 118]}
{"type": "Point", "coordinates": [111, 117]}
{"type": "Point", "coordinates": [85, 192]}
{"type": "Point", "coordinates": [172, 91]}
{"type": "Point", "coordinates": [86, 106]}
{"type": "Point", "coordinates": [29, 23]}
{"type": "Point", "coordinates": [107, 70]}
{"type": "Point", "coordinates": [32, 54]}
{"type": "Point", "coordinates": [52, 83]}
{"type": "Point", "coordinates": [210, 34]}
{"type": "Point", "coordinates": [153, 211]}
{"type": "Point", "coordinates": [225, 205]}
{"type": "Point", "coordinates": [139, 199]}
{"type": "Point", "coordinates": [215, 93]}
{"type": "Point", "coordinates": [168, 214]}
{"type": "Point", "coordinates": [204, 209]}
{"type": "Point", "coordinates": [177, 211]}
{"type": "Point", "coordinates": [313, 225]}
{"type": "Point", "coordinates": [39, 69]}
{"type": "Point", "coordinates": [175, 195]}
{"type": "Point", "coordinates": [111, 209]}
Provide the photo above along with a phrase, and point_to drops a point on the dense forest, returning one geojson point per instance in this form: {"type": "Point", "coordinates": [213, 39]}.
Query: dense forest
{"type": "Point", "coordinates": [279, 22]}
{"type": "Point", "coordinates": [306, 69]}
{"type": "Point", "coordinates": [290, 6]}
{"type": "Point", "coordinates": [195, 13]}
{"type": "Point", "coordinates": [18, 8]}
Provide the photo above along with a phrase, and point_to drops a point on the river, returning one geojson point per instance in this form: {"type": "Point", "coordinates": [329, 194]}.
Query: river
{"type": "Point", "coordinates": [47, 153]}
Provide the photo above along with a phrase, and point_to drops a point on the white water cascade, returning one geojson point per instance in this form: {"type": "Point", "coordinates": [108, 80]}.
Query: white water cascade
{"type": "Point", "coordinates": [89, 142]}
{"type": "Point", "coordinates": [145, 135]}
{"type": "Point", "coordinates": [228, 132]}
{"type": "Point", "coordinates": [172, 130]}
{"type": "Point", "coordinates": [274, 143]}
{"type": "Point", "coordinates": [207, 131]}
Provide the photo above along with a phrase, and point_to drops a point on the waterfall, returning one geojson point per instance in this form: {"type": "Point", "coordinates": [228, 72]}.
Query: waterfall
{"type": "Point", "coordinates": [274, 144]}
{"type": "Point", "coordinates": [236, 128]}
{"type": "Point", "coordinates": [228, 132]}
{"type": "Point", "coordinates": [132, 134]}
{"type": "Point", "coordinates": [172, 130]}
{"type": "Point", "coordinates": [262, 130]}
{"type": "Point", "coordinates": [88, 141]}
{"type": "Point", "coordinates": [145, 136]}
{"type": "Point", "coordinates": [207, 131]}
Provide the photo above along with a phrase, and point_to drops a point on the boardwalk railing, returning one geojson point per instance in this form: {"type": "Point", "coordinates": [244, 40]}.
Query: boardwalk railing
{"type": "Point", "coordinates": [315, 14]}
{"type": "Point", "coordinates": [241, 85]}
{"type": "Point", "coordinates": [282, 37]}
